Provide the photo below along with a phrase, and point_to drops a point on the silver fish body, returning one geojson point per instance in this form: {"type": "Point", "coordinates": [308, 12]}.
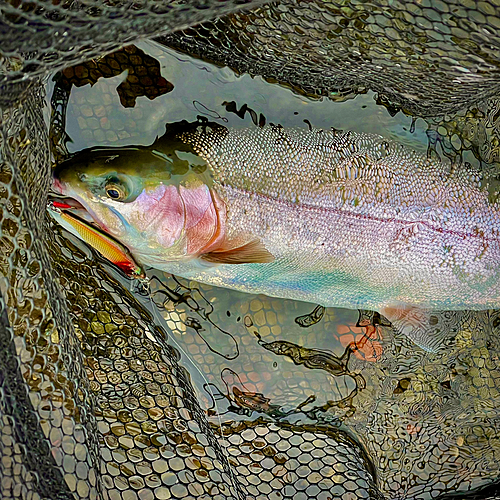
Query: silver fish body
{"type": "Point", "coordinates": [351, 220]}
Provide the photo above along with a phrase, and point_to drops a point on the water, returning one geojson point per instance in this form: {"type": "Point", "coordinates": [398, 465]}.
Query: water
{"type": "Point", "coordinates": [429, 422]}
{"type": "Point", "coordinates": [201, 89]}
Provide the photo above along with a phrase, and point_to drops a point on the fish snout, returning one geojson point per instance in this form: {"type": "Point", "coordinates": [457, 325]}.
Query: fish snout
{"type": "Point", "coordinates": [58, 186]}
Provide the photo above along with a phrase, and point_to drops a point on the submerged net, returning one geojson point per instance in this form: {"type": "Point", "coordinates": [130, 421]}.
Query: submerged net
{"type": "Point", "coordinates": [93, 400]}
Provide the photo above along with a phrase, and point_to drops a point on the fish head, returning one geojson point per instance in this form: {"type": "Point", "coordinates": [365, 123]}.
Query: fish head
{"type": "Point", "coordinates": [159, 205]}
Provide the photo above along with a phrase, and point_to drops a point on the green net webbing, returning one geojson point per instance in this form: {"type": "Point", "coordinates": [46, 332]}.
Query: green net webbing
{"type": "Point", "coordinates": [429, 57]}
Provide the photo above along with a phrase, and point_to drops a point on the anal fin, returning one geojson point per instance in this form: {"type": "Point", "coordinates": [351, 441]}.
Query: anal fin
{"type": "Point", "coordinates": [251, 253]}
{"type": "Point", "coordinates": [428, 329]}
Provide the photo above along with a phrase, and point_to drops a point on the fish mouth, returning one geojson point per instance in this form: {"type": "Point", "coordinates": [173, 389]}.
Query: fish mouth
{"type": "Point", "coordinates": [73, 217]}
{"type": "Point", "coordinates": [64, 202]}
{"type": "Point", "coordinates": [58, 202]}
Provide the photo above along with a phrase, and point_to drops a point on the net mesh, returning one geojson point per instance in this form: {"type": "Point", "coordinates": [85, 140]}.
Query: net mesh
{"type": "Point", "coordinates": [40, 36]}
{"type": "Point", "coordinates": [93, 400]}
{"type": "Point", "coordinates": [428, 57]}
{"type": "Point", "coordinates": [95, 403]}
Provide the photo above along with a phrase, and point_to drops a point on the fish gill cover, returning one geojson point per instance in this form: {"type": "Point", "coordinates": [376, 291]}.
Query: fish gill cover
{"type": "Point", "coordinates": [93, 400]}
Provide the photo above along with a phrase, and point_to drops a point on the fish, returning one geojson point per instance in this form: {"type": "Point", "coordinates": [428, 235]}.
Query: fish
{"type": "Point", "coordinates": [336, 218]}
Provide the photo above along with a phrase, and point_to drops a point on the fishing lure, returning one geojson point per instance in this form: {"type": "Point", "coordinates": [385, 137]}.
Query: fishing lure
{"type": "Point", "coordinates": [106, 245]}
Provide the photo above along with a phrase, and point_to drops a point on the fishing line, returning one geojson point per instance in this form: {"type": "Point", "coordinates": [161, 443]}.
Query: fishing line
{"type": "Point", "coordinates": [205, 314]}
{"type": "Point", "coordinates": [161, 321]}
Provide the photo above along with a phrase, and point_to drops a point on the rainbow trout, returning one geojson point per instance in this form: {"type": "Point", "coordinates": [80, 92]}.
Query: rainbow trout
{"type": "Point", "coordinates": [335, 218]}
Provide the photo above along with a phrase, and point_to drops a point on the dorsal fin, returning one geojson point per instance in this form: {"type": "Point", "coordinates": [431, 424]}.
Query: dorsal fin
{"type": "Point", "coordinates": [251, 253]}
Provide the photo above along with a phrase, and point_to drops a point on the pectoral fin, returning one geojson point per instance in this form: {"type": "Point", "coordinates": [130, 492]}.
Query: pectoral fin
{"type": "Point", "coordinates": [250, 253]}
{"type": "Point", "coordinates": [428, 329]}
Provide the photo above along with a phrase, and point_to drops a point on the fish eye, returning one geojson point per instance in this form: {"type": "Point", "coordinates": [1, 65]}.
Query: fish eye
{"type": "Point", "coordinates": [115, 192]}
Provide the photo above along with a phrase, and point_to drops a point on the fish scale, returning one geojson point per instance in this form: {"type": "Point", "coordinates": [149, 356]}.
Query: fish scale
{"type": "Point", "coordinates": [313, 167]}
{"type": "Point", "coordinates": [336, 218]}
{"type": "Point", "coordinates": [415, 217]}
